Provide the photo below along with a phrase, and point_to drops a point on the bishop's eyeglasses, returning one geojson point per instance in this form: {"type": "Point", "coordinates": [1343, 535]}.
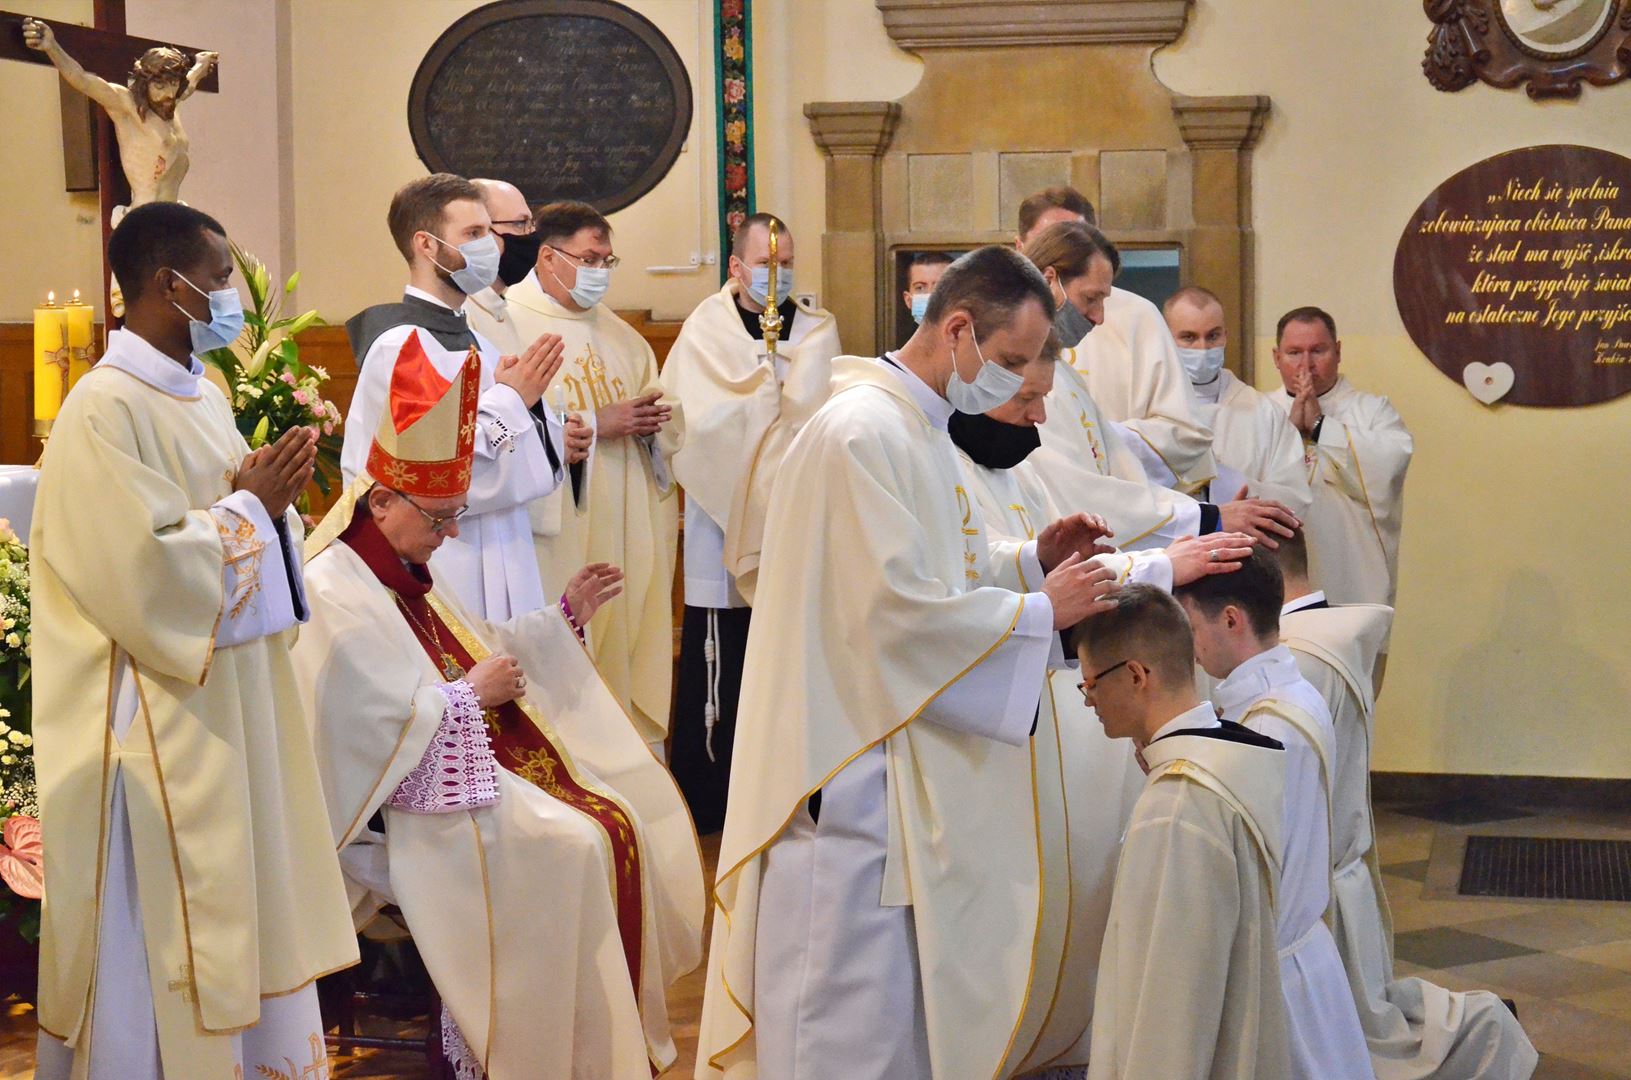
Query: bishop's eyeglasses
{"type": "Point", "coordinates": [437, 522]}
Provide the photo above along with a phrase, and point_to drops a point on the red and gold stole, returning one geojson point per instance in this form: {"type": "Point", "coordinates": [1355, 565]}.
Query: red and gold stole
{"type": "Point", "coordinates": [522, 739]}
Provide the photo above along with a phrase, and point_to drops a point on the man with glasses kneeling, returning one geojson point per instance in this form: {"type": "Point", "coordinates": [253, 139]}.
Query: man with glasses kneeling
{"type": "Point", "coordinates": [488, 807]}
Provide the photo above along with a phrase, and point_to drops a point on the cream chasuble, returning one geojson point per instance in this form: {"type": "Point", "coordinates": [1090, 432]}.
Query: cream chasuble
{"type": "Point", "coordinates": [1132, 369]}
{"type": "Point", "coordinates": [741, 413]}
{"type": "Point", "coordinates": [1085, 786]}
{"type": "Point", "coordinates": [1085, 468]}
{"type": "Point", "coordinates": [1414, 1028]}
{"type": "Point", "coordinates": [1254, 445]}
{"type": "Point", "coordinates": [489, 315]}
{"type": "Point", "coordinates": [1356, 471]}
{"type": "Point", "coordinates": [491, 565]}
{"type": "Point", "coordinates": [1269, 695]}
{"type": "Point", "coordinates": [1189, 985]}
{"type": "Point", "coordinates": [511, 905]}
{"type": "Point", "coordinates": [899, 677]}
{"type": "Point", "coordinates": [628, 516]}
{"type": "Point", "coordinates": [171, 749]}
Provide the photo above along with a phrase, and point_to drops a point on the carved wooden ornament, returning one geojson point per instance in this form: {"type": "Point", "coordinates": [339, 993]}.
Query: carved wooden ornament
{"type": "Point", "coordinates": [1551, 45]}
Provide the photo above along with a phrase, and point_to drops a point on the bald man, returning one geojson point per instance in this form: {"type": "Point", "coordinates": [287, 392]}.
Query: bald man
{"type": "Point", "coordinates": [488, 310]}
{"type": "Point", "coordinates": [1128, 362]}
{"type": "Point", "coordinates": [1253, 442]}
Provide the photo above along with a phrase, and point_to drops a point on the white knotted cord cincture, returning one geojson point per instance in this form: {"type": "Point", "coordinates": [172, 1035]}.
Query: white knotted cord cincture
{"type": "Point", "coordinates": [710, 654]}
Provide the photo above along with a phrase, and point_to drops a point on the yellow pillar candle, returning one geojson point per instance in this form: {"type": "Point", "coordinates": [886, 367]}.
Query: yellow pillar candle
{"type": "Point", "coordinates": [50, 358]}
{"type": "Point", "coordinates": [81, 353]}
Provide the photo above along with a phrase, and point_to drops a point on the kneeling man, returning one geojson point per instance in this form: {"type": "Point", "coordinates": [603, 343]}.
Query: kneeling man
{"type": "Point", "coordinates": [492, 811]}
{"type": "Point", "coordinates": [1189, 984]}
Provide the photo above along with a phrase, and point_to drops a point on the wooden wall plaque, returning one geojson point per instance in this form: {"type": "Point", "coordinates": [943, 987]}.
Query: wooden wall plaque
{"type": "Point", "coordinates": [565, 99]}
{"type": "Point", "coordinates": [1520, 268]}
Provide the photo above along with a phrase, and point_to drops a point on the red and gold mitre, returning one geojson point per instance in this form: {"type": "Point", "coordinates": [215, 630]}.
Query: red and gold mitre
{"type": "Point", "coordinates": [426, 438]}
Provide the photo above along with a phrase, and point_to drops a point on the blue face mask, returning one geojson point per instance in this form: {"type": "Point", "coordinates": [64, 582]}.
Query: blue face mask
{"type": "Point", "coordinates": [920, 305]}
{"type": "Point", "coordinates": [759, 283]}
{"type": "Point", "coordinates": [992, 385]}
{"type": "Point", "coordinates": [226, 318]}
{"type": "Point", "coordinates": [481, 259]}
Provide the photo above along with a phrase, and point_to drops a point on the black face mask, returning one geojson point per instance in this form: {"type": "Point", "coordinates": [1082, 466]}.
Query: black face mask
{"type": "Point", "coordinates": [991, 443]}
{"type": "Point", "coordinates": [519, 256]}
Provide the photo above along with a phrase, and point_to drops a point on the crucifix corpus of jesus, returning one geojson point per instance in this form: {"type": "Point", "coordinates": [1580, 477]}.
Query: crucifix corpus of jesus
{"type": "Point", "coordinates": [142, 113]}
{"type": "Point", "coordinates": [152, 144]}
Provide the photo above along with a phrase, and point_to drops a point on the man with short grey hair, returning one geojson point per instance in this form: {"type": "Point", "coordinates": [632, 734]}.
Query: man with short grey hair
{"type": "Point", "coordinates": [880, 884]}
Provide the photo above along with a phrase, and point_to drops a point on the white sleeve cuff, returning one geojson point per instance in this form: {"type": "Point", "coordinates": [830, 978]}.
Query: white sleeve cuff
{"type": "Point", "coordinates": [257, 596]}
{"type": "Point", "coordinates": [1151, 568]}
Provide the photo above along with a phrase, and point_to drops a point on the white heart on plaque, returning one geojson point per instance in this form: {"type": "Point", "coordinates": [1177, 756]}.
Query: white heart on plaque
{"type": "Point", "coordinates": [1488, 383]}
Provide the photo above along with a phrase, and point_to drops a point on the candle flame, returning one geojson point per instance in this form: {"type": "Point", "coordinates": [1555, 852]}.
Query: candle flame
{"type": "Point", "coordinates": [50, 298]}
{"type": "Point", "coordinates": [76, 296]}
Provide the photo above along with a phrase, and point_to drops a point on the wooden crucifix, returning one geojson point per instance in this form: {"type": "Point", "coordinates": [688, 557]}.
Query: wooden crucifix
{"type": "Point", "coordinates": [132, 133]}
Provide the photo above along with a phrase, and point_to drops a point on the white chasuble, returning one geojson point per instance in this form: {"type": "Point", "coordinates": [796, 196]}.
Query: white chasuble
{"type": "Point", "coordinates": [893, 668]}
{"type": "Point", "coordinates": [1356, 472]}
{"type": "Point", "coordinates": [628, 516]}
{"type": "Point", "coordinates": [741, 414]}
{"type": "Point", "coordinates": [1085, 786]}
{"type": "Point", "coordinates": [1131, 367]}
{"type": "Point", "coordinates": [1086, 468]}
{"type": "Point", "coordinates": [1254, 444]}
{"type": "Point", "coordinates": [1269, 695]}
{"type": "Point", "coordinates": [1189, 985]}
{"type": "Point", "coordinates": [171, 750]}
{"type": "Point", "coordinates": [510, 904]}
{"type": "Point", "coordinates": [490, 566]}
{"type": "Point", "coordinates": [1414, 1028]}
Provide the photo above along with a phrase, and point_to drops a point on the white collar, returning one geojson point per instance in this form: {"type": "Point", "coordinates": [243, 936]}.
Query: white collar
{"type": "Point", "coordinates": [1201, 716]}
{"type": "Point", "coordinates": [1253, 679]}
{"type": "Point", "coordinates": [1315, 597]}
{"type": "Point", "coordinates": [133, 354]}
{"type": "Point", "coordinates": [935, 407]}
{"type": "Point", "coordinates": [421, 294]}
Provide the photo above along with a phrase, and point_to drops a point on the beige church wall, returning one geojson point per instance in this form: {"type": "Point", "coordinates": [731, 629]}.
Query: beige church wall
{"type": "Point", "coordinates": [1514, 605]}
{"type": "Point", "coordinates": [52, 237]}
{"type": "Point", "coordinates": [826, 50]}
{"type": "Point", "coordinates": [353, 64]}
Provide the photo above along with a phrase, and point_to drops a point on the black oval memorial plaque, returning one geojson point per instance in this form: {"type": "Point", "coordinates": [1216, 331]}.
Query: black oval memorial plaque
{"type": "Point", "coordinates": [565, 99]}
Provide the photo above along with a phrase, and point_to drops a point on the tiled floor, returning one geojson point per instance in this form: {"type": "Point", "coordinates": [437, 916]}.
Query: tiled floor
{"type": "Point", "coordinates": [1565, 965]}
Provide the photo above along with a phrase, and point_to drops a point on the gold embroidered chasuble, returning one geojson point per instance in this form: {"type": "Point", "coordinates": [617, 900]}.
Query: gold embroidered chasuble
{"type": "Point", "coordinates": [531, 999]}
{"type": "Point", "coordinates": [1085, 785]}
{"type": "Point", "coordinates": [241, 896]}
{"type": "Point", "coordinates": [629, 514]}
{"type": "Point", "coordinates": [872, 537]}
{"type": "Point", "coordinates": [1084, 468]}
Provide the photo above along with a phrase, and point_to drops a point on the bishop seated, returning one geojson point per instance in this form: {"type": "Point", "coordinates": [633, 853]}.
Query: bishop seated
{"type": "Point", "coordinates": [490, 809]}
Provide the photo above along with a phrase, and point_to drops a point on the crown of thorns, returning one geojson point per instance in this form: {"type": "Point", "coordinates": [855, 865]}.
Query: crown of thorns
{"type": "Point", "coordinates": [158, 62]}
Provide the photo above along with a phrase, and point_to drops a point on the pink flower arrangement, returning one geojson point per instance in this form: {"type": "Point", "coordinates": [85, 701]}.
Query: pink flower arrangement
{"type": "Point", "coordinates": [22, 857]}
